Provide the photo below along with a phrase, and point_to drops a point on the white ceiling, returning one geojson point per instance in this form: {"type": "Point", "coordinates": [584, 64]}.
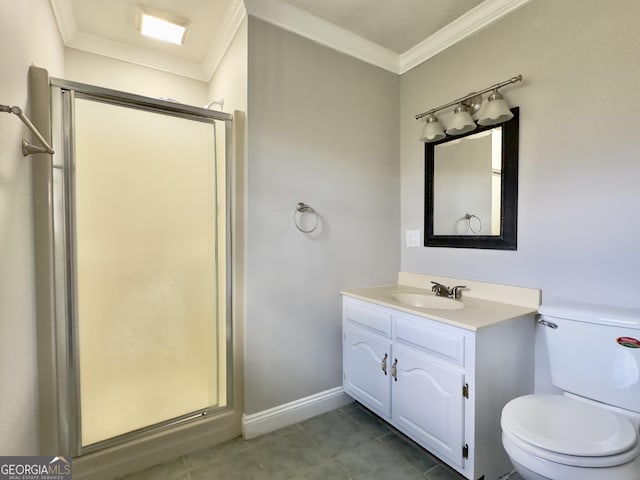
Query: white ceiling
{"type": "Point", "coordinates": [115, 20]}
{"type": "Point", "coordinates": [397, 25]}
{"type": "Point", "coordinates": [393, 34]}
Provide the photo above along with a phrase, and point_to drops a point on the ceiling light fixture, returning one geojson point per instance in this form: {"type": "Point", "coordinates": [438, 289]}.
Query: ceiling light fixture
{"type": "Point", "coordinates": [161, 26]}
{"type": "Point", "coordinates": [494, 111]}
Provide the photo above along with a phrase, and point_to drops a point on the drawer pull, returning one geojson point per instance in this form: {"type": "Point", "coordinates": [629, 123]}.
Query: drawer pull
{"type": "Point", "coordinates": [394, 370]}
{"type": "Point", "coordinates": [384, 364]}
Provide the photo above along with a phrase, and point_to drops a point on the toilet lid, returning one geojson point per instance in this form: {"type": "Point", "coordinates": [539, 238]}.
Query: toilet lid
{"type": "Point", "coordinates": [567, 426]}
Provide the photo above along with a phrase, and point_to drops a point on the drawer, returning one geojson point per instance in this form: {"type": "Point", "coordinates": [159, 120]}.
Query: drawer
{"type": "Point", "coordinates": [376, 319]}
{"type": "Point", "coordinates": [427, 336]}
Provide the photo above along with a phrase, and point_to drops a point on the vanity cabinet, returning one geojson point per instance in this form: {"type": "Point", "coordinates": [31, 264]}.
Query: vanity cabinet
{"type": "Point", "coordinates": [427, 403]}
{"type": "Point", "coordinates": [441, 385]}
{"type": "Point", "coordinates": [365, 353]}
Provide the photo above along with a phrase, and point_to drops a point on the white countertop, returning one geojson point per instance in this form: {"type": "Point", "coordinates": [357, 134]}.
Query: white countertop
{"type": "Point", "coordinates": [476, 314]}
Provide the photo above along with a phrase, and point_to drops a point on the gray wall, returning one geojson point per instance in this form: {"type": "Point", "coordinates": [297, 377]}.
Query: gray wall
{"type": "Point", "coordinates": [578, 225]}
{"type": "Point", "coordinates": [323, 129]}
{"type": "Point", "coordinates": [579, 169]}
{"type": "Point", "coordinates": [326, 129]}
{"type": "Point", "coordinates": [28, 34]}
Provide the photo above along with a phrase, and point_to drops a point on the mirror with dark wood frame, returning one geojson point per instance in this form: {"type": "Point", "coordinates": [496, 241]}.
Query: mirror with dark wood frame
{"type": "Point", "coordinates": [471, 188]}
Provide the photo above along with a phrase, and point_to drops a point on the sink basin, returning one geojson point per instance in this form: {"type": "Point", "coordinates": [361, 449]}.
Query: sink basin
{"type": "Point", "coordinates": [425, 300]}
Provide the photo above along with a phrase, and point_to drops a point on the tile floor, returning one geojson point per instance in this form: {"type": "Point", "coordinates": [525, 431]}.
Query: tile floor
{"type": "Point", "coordinates": [349, 443]}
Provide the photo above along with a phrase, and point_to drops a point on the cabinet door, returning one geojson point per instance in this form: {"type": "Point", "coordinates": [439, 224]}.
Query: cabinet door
{"type": "Point", "coordinates": [365, 355]}
{"type": "Point", "coordinates": [428, 403]}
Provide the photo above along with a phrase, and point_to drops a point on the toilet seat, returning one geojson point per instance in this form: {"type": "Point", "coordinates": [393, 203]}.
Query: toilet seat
{"type": "Point", "coordinates": [575, 461]}
{"type": "Point", "coordinates": [570, 432]}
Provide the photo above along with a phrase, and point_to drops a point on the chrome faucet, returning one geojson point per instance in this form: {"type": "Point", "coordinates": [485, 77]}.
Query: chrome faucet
{"type": "Point", "coordinates": [443, 291]}
{"type": "Point", "coordinates": [440, 290]}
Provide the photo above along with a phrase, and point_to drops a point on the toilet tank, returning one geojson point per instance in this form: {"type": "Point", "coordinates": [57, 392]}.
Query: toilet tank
{"type": "Point", "coordinates": [595, 351]}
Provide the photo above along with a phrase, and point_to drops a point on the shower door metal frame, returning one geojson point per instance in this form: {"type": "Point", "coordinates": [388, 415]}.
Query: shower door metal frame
{"type": "Point", "coordinates": [63, 96]}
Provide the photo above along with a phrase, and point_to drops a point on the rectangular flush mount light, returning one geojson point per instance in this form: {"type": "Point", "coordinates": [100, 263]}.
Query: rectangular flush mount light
{"type": "Point", "coordinates": [161, 26]}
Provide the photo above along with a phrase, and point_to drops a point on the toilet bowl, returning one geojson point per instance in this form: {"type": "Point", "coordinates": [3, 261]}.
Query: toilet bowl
{"type": "Point", "coordinates": [557, 437]}
{"type": "Point", "coordinates": [591, 430]}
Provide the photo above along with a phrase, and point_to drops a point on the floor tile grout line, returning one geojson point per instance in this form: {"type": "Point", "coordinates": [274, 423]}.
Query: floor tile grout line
{"type": "Point", "coordinates": [379, 438]}
{"type": "Point", "coordinates": [358, 418]}
{"type": "Point", "coordinates": [309, 435]}
{"type": "Point", "coordinates": [325, 459]}
{"type": "Point", "coordinates": [399, 455]}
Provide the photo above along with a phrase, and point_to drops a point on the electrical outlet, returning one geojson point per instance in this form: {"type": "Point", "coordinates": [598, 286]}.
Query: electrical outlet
{"type": "Point", "coordinates": [413, 238]}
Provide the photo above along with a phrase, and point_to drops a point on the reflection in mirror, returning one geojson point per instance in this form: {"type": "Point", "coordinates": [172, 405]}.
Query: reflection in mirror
{"type": "Point", "coordinates": [467, 185]}
{"type": "Point", "coordinates": [472, 188]}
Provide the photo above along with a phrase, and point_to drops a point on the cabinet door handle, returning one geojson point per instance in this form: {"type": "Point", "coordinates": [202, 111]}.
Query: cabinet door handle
{"type": "Point", "coordinates": [384, 364]}
{"type": "Point", "coordinates": [394, 370]}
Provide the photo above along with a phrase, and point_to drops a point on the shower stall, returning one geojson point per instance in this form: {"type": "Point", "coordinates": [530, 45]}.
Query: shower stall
{"type": "Point", "coordinates": [141, 277]}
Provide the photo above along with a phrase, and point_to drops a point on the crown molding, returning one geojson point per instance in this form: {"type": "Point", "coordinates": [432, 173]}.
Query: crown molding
{"type": "Point", "coordinates": [230, 23]}
{"type": "Point", "coordinates": [203, 71]}
{"type": "Point", "coordinates": [139, 56]}
{"type": "Point", "coordinates": [289, 18]}
{"type": "Point", "coordinates": [474, 20]}
{"type": "Point", "coordinates": [66, 20]}
{"type": "Point", "coordinates": [298, 21]}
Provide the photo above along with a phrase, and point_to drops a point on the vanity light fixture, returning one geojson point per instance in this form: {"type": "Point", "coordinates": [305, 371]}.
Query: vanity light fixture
{"type": "Point", "coordinates": [432, 131]}
{"type": "Point", "coordinates": [161, 26]}
{"type": "Point", "coordinates": [494, 111]}
{"type": "Point", "coordinates": [461, 122]}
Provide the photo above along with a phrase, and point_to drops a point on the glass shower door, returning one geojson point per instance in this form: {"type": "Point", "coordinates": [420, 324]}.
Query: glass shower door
{"type": "Point", "coordinates": [146, 225]}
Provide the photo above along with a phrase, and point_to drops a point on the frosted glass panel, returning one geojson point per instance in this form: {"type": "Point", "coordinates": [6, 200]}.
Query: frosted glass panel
{"type": "Point", "coordinates": [147, 280]}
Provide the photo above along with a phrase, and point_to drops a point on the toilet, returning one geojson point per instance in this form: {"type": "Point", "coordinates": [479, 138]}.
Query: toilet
{"type": "Point", "coordinates": [590, 431]}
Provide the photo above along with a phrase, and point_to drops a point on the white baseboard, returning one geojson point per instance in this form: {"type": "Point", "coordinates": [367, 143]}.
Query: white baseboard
{"type": "Point", "coordinates": [270, 420]}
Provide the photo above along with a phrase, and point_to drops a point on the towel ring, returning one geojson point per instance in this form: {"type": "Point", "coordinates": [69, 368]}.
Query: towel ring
{"type": "Point", "coordinates": [301, 209]}
{"type": "Point", "coordinates": [468, 217]}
